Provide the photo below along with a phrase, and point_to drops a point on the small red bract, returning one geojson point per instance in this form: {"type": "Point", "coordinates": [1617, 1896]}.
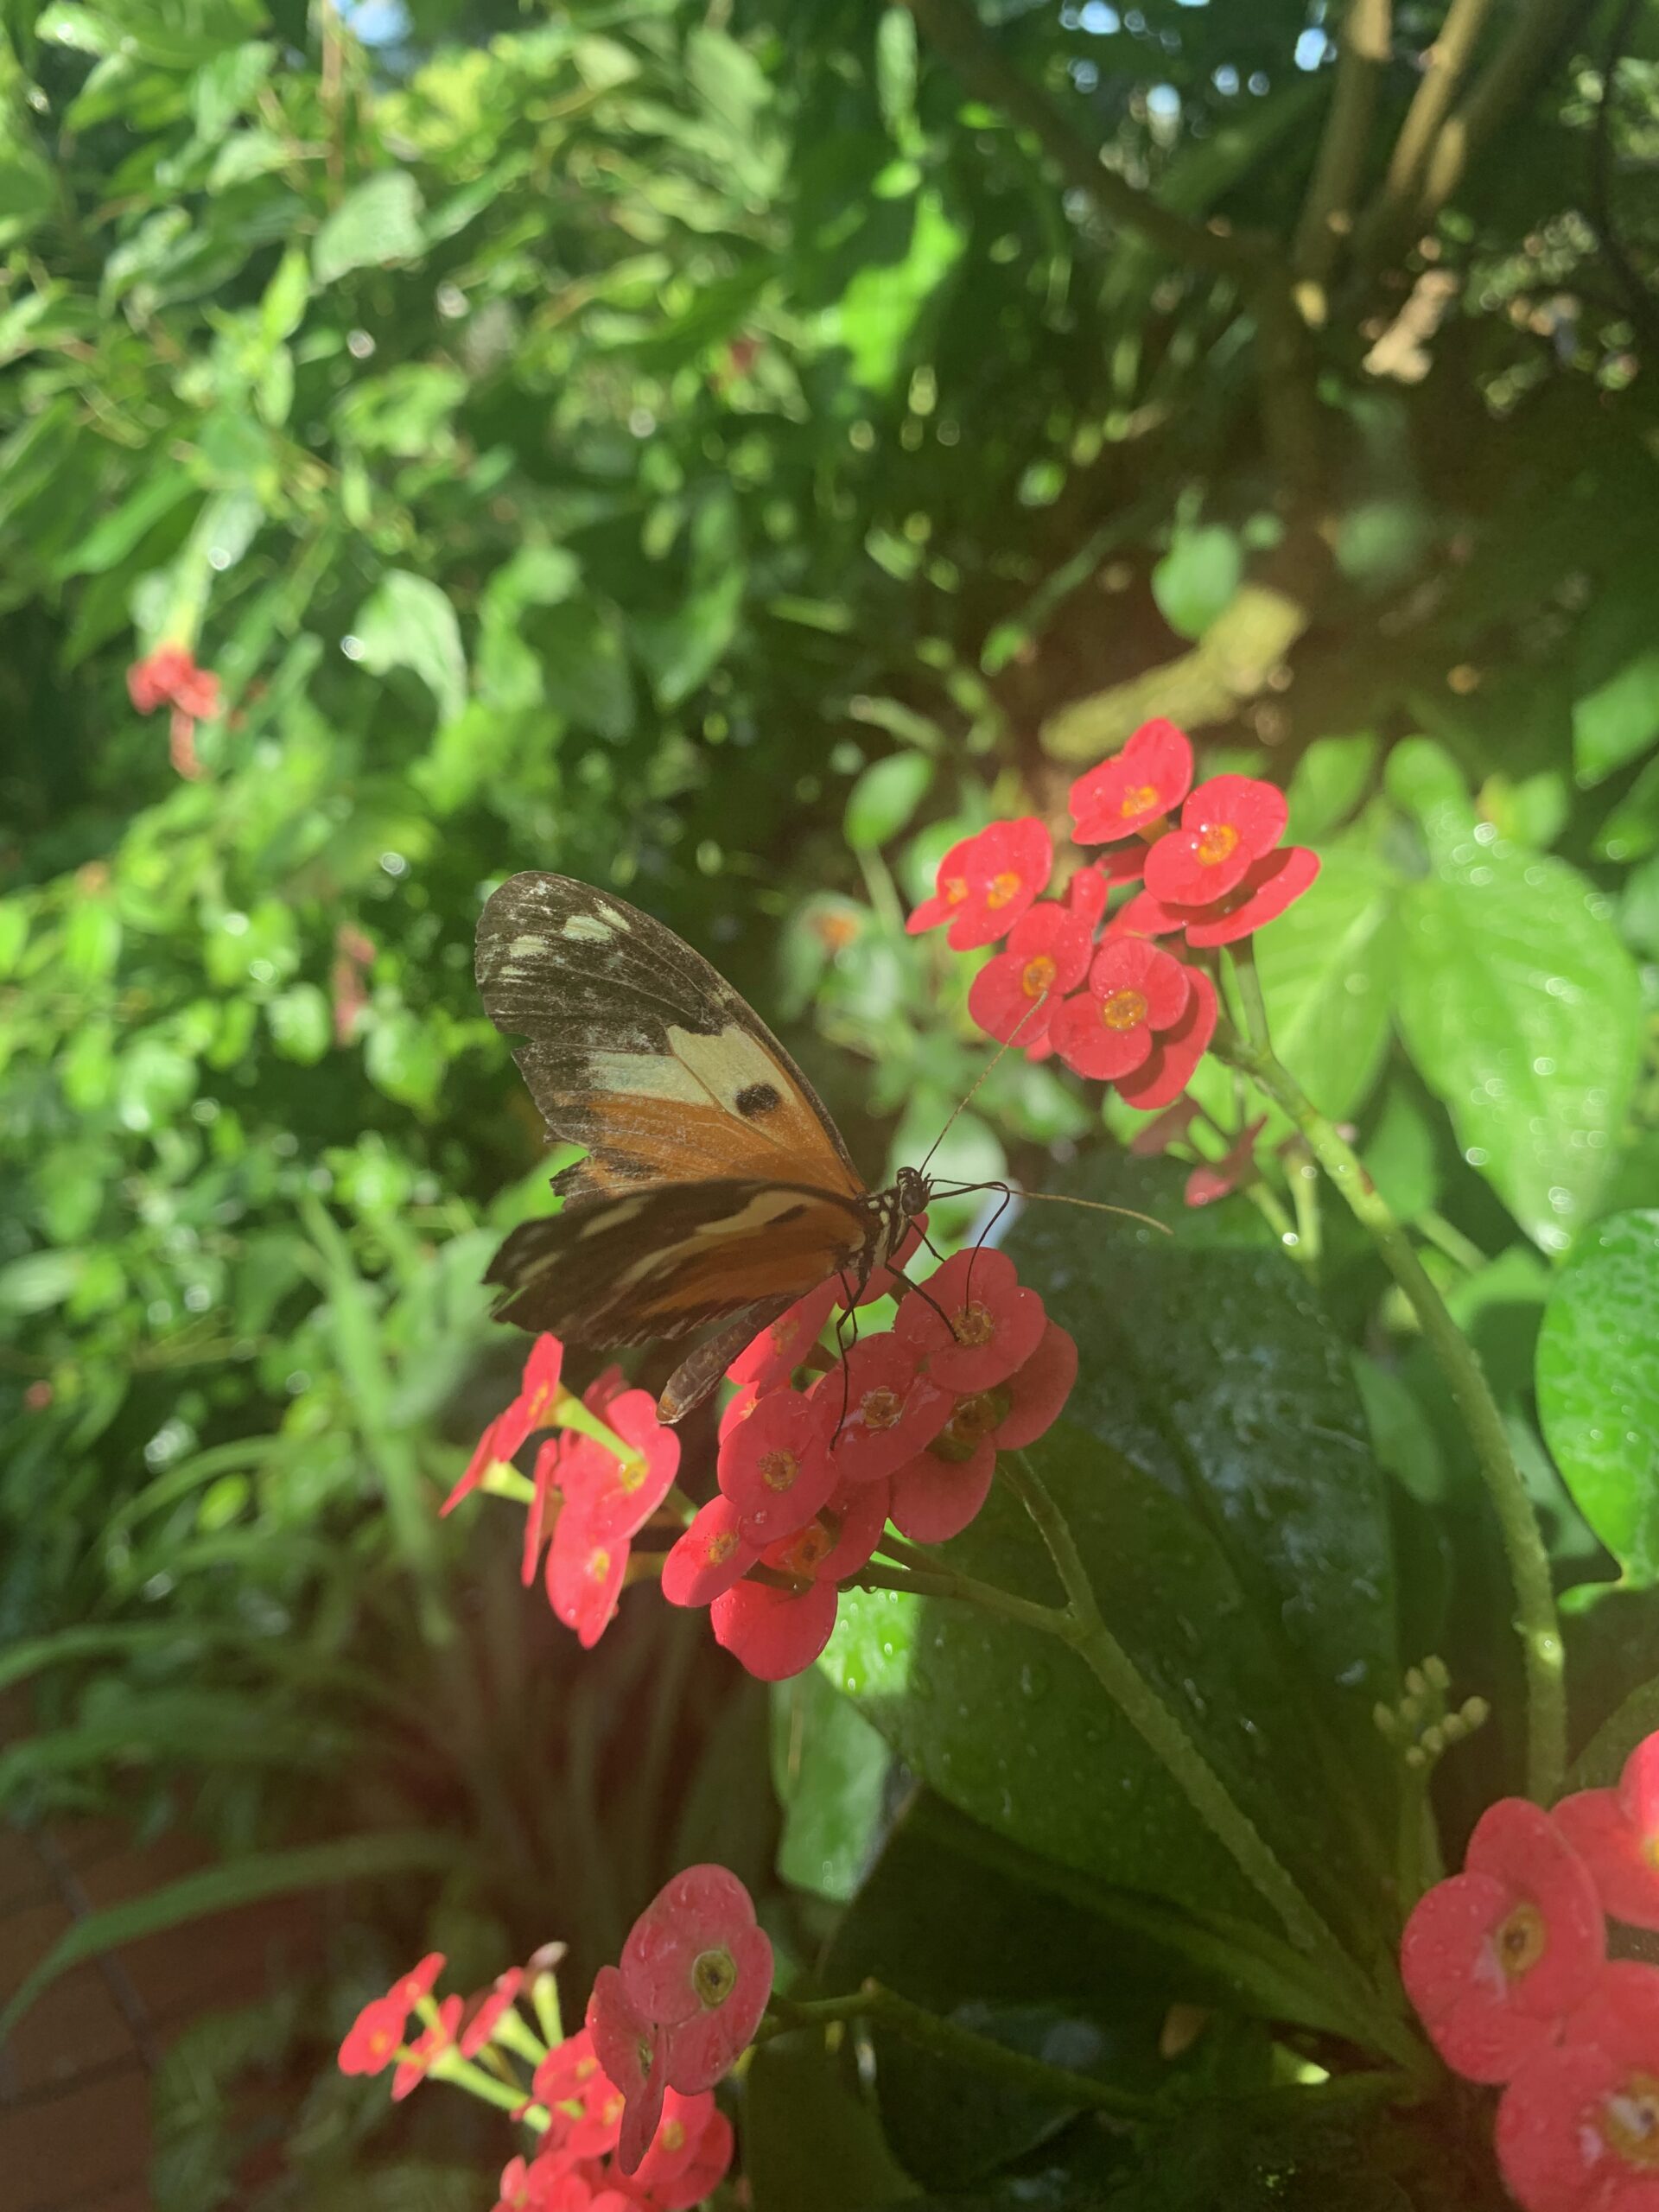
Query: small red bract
{"type": "Point", "coordinates": [630, 2047]}
{"type": "Point", "coordinates": [710, 1556]}
{"type": "Point", "coordinates": [373, 2036]}
{"type": "Point", "coordinates": [776, 1466]}
{"type": "Point", "coordinates": [584, 1574]}
{"type": "Point", "coordinates": [1176, 1052]}
{"type": "Point", "coordinates": [1215, 1179]}
{"type": "Point", "coordinates": [1264, 892]}
{"type": "Point", "coordinates": [1135, 788]}
{"type": "Point", "coordinates": [778, 1351]}
{"type": "Point", "coordinates": [434, 2043]}
{"type": "Point", "coordinates": [894, 1407]}
{"type": "Point", "coordinates": [986, 882]}
{"type": "Point", "coordinates": [975, 1325]}
{"type": "Point", "coordinates": [938, 1493]}
{"type": "Point", "coordinates": [1014, 995]}
{"type": "Point", "coordinates": [489, 2010]}
{"type": "Point", "coordinates": [1494, 1958]}
{"type": "Point", "coordinates": [1226, 823]}
{"type": "Point", "coordinates": [772, 1632]}
{"type": "Point", "coordinates": [695, 1963]}
{"type": "Point", "coordinates": [1578, 2126]}
{"type": "Point", "coordinates": [1616, 1833]}
{"type": "Point", "coordinates": [618, 1496]}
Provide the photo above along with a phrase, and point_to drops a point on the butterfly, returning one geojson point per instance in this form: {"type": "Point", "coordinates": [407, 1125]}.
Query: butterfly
{"type": "Point", "coordinates": [715, 1187]}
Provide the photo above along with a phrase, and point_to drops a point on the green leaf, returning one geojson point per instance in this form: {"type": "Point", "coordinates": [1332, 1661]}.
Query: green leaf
{"type": "Point", "coordinates": [1214, 1465]}
{"type": "Point", "coordinates": [1632, 831]}
{"type": "Point", "coordinates": [408, 622]}
{"type": "Point", "coordinates": [300, 1023]}
{"type": "Point", "coordinates": [880, 306]}
{"type": "Point", "coordinates": [39, 1281]}
{"type": "Point", "coordinates": [1328, 781]}
{"type": "Point", "coordinates": [830, 1769]}
{"type": "Point", "coordinates": [1638, 909]}
{"type": "Point", "coordinates": [1598, 1385]}
{"type": "Point", "coordinates": [1619, 720]}
{"type": "Point", "coordinates": [1522, 1010]}
{"type": "Point", "coordinates": [812, 2141]}
{"type": "Point", "coordinates": [1403, 1435]}
{"type": "Point", "coordinates": [585, 666]}
{"type": "Point", "coordinates": [376, 223]}
{"type": "Point", "coordinates": [1198, 577]}
{"type": "Point", "coordinates": [886, 796]}
{"type": "Point", "coordinates": [223, 1889]}
{"type": "Point", "coordinates": [1327, 967]}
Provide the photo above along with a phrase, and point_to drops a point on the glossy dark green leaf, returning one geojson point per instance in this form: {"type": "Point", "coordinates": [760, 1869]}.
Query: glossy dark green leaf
{"type": "Point", "coordinates": [1598, 1385]}
{"type": "Point", "coordinates": [810, 2138]}
{"type": "Point", "coordinates": [830, 1771]}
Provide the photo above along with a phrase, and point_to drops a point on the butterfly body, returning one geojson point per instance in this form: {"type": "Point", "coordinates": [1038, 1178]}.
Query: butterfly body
{"type": "Point", "coordinates": [714, 1185]}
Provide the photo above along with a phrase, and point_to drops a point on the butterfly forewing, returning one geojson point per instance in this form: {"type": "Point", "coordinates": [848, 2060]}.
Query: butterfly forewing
{"type": "Point", "coordinates": [638, 1050]}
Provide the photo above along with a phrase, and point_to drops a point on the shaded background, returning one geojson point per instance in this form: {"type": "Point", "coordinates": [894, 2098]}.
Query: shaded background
{"type": "Point", "coordinates": [724, 452]}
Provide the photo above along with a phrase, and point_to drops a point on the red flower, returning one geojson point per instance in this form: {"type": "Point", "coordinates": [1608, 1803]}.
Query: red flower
{"type": "Point", "coordinates": [374, 2035]}
{"type": "Point", "coordinates": [706, 2160]}
{"type": "Point", "coordinates": [1134, 991]}
{"type": "Point", "coordinates": [1135, 788]}
{"type": "Point", "coordinates": [986, 883]}
{"type": "Point", "coordinates": [776, 1631]}
{"type": "Point", "coordinates": [618, 1496]}
{"type": "Point", "coordinates": [538, 1396]}
{"type": "Point", "coordinates": [544, 1482]}
{"type": "Point", "coordinates": [631, 2048]}
{"type": "Point", "coordinates": [738, 1407]}
{"type": "Point", "coordinates": [1019, 991]}
{"type": "Point", "coordinates": [1228, 823]}
{"type": "Point", "coordinates": [1214, 1179]}
{"type": "Point", "coordinates": [497, 2001]}
{"type": "Point", "coordinates": [1578, 2127]}
{"type": "Point", "coordinates": [1267, 888]}
{"type": "Point", "coordinates": [975, 1325]}
{"type": "Point", "coordinates": [695, 1963]}
{"type": "Point", "coordinates": [1087, 893]}
{"type": "Point", "coordinates": [515, 2187]}
{"type": "Point", "coordinates": [1494, 1958]}
{"type": "Point", "coordinates": [937, 1494]}
{"type": "Point", "coordinates": [894, 1407]}
{"type": "Point", "coordinates": [778, 1351]}
{"type": "Point", "coordinates": [1616, 1833]}
{"type": "Point", "coordinates": [170, 676]}
{"type": "Point", "coordinates": [1176, 1052]}
{"type": "Point", "coordinates": [710, 1556]}
{"type": "Point", "coordinates": [585, 2104]}
{"type": "Point", "coordinates": [775, 1467]}
{"type": "Point", "coordinates": [436, 2042]}
{"type": "Point", "coordinates": [584, 1574]}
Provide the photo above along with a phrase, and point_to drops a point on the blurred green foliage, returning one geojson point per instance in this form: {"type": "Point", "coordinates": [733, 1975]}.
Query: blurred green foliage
{"type": "Point", "coordinates": [727, 451]}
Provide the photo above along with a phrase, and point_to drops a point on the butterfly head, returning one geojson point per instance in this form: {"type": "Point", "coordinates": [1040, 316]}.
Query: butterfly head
{"type": "Point", "coordinates": [913, 1190]}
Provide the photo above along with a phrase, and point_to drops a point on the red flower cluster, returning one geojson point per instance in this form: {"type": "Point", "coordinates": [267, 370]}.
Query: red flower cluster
{"type": "Point", "coordinates": [695, 1979]}
{"type": "Point", "coordinates": [904, 1428]}
{"type": "Point", "coordinates": [170, 677]}
{"type": "Point", "coordinates": [1506, 1964]}
{"type": "Point", "coordinates": [1120, 1010]}
{"type": "Point", "coordinates": [812, 1466]}
{"type": "Point", "coordinates": [589, 1498]}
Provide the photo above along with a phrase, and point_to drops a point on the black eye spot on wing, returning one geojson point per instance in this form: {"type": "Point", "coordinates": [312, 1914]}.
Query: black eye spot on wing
{"type": "Point", "coordinates": [757, 1099]}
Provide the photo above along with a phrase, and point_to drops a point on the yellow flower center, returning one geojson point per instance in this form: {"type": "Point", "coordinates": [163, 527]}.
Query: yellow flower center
{"type": "Point", "coordinates": [973, 1324]}
{"type": "Point", "coordinates": [1521, 1941]}
{"type": "Point", "coordinates": [778, 1469]}
{"type": "Point", "coordinates": [718, 1548]}
{"type": "Point", "coordinates": [815, 1542]}
{"type": "Point", "coordinates": [714, 1976]}
{"type": "Point", "coordinates": [1038, 976]}
{"type": "Point", "coordinates": [1137, 800]}
{"type": "Point", "coordinates": [1123, 1010]}
{"type": "Point", "coordinates": [881, 1407]}
{"type": "Point", "coordinates": [598, 1565]}
{"type": "Point", "coordinates": [1217, 843]}
{"type": "Point", "coordinates": [672, 2135]}
{"type": "Point", "coordinates": [1001, 889]}
{"type": "Point", "coordinates": [1629, 2119]}
{"type": "Point", "coordinates": [954, 890]}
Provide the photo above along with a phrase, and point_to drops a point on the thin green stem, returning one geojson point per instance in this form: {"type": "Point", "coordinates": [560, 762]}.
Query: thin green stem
{"type": "Point", "coordinates": [1461, 1250]}
{"type": "Point", "coordinates": [451, 2066]}
{"type": "Point", "coordinates": [929, 2032]}
{"type": "Point", "coordinates": [1265, 1199]}
{"type": "Point", "coordinates": [1535, 1617]}
{"type": "Point", "coordinates": [1303, 1174]}
{"type": "Point", "coordinates": [944, 1582]}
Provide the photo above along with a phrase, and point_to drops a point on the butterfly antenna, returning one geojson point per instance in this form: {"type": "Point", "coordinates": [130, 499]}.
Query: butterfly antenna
{"type": "Point", "coordinates": [981, 1077]}
{"type": "Point", "coordinates": [1056, 1198]}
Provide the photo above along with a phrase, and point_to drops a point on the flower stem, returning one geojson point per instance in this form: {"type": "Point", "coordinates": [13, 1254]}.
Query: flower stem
{"type": "Point", "coordinates": [944, 1582]}
{"type": "Point", "coordinates": [929, 2032]}
{"type": "Point", "coordinates": [1536, 1622]}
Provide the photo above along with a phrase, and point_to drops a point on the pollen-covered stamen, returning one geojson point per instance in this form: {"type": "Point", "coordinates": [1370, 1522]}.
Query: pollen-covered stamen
{"type": "Point", "coordinates": [973, 1418]}
{"type": "Point", "coordinates": [1038, 977]}
{"type": "Point", "coordinates": [1138, 798]}
{"type": "Point", "coordinates": [1629, 2119]}
{"type": "Point", "coordinates": [1124, 1010]}
{"type": "Point", "coordinates": [599, 1563]}
{"type": "Point", "coordinates": [973, 1324]}
{"type": "Point", "coordinates": [714, 1976]}
{"type": "Point", "coordinates": [1001, 889]}
{"type": "Point", "coordinates": [813, 1545]}
{"type": "Point", "coordinates": [719, 1546]}
{"type": "Point", "coordinates": [954, 890]}
{"type": "Point", "coordinates": [778, 1469]}
{"type": "Point", "coordinates": [1218, 842]}
{"type": "Point", "coordinates": [881, 1407]}
{"type": "Point", "coordinates": [1521, 1940]}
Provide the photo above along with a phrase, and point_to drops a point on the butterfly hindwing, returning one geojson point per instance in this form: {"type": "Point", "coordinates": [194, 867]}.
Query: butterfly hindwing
{"type": "Point", "coordinates": [638, 1050]}
{"type": "Point", "coordinates": [624, 1268]}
